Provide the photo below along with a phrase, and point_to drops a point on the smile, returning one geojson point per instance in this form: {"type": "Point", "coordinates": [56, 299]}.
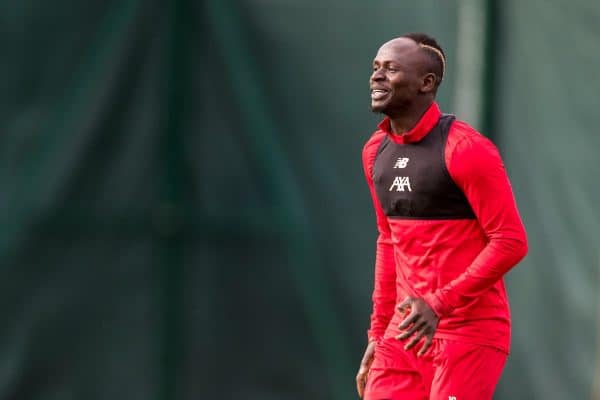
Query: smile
{"type": "Point", "coordinates": [378, 94]}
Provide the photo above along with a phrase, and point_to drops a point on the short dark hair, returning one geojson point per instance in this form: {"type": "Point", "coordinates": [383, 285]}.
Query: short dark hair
{"type": "Point", "coordinates": [434, 50]}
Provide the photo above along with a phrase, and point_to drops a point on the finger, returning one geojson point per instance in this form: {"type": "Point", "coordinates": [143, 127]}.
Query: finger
{"type": "Point", "coordinates": [415, 340]}
{"type": "Point", "coordinates": [412, 330]}
{"type": "Point", "coordinates": [367, 360]}
{"type": "Point", "coordinates": [426, 345]}
{"type": "Point", "coordinates": [360, 384]}
{"type": "Point", "coordinates": [411, 318]}
{"type": "Point", "coordinates": [418, 325]}
{"type": "Point", "coordinates": [368, 363]}
{"type": "Point", "coordinates": [405, 304]}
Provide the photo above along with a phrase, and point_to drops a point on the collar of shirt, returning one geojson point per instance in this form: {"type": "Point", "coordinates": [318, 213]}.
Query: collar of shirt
{"type": "Point", "coordinates": [418, 132]}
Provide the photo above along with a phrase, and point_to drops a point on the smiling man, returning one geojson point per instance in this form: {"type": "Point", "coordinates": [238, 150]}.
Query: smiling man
{"type": "Point", "coordinates": [449, 230]}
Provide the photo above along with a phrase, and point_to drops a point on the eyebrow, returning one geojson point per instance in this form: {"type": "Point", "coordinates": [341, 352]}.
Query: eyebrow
{"type": "Point", "coordinates": [387, 62]}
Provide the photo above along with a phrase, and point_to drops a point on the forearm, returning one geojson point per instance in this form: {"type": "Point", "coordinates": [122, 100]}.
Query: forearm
{"type": "Point", "coordinates": [475, 165]}
{"type": "Point", "coordinates": [384, 291]}
{"type": "Point", "coordinates": [494, 261]}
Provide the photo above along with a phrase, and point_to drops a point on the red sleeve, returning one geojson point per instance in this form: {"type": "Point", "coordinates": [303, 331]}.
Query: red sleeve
{"type": "Point", "coordinates": [475, 165]}
{"type": "Point", "coordinates": [384, 291]}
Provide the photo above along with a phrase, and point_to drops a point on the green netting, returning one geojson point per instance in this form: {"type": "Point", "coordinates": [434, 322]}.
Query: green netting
{"type": "Point", "coordinates": [547, 134]}
{"type": "Point", "coordinates": [183, 208]}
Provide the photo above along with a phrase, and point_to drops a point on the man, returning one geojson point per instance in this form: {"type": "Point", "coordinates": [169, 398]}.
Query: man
{"type": "Point", "coordinates": [448, 229]}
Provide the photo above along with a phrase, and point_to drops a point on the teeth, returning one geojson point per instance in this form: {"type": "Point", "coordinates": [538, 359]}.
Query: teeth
{"type": "Point", "coordinates": [377, 94]}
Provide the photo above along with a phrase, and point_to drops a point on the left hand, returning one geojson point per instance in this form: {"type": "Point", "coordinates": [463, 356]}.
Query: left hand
{"type": "Point", "coordinates": [363, 370]}
{"type": "Point", "coordinates": [424, 322]}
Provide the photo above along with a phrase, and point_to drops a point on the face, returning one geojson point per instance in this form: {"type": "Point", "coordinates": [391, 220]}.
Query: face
{"type": "Point", "coordinates": [398, 76]}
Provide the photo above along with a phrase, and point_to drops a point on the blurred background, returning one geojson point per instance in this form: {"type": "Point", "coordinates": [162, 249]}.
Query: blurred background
{"type": "Point", "coordinates": [183, 209]}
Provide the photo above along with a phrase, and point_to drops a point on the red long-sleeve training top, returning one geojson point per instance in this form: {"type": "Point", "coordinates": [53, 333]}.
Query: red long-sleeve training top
{"type": "Point", "coordinates": [456, 265]}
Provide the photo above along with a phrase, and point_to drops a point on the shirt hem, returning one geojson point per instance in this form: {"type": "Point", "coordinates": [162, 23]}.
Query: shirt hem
{"type": "Point", "coordinates": [472, 340]}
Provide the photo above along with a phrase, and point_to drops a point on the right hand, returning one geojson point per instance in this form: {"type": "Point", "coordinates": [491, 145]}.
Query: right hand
{"type": "Point", "coordinates": [363, 370]}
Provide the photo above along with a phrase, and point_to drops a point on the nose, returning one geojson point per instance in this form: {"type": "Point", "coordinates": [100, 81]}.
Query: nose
{"type": "Point", "coordinates": [377, 75]}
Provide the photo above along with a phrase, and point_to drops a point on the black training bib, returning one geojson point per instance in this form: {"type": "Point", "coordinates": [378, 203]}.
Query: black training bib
{"type": "Point", "coordinates": [411, 180]}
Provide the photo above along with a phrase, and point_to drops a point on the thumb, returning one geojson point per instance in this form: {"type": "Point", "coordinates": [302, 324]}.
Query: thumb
{"type": "Point", "coordinates": [369, 355]}
{"type": "Point", "coordinates": [406, 304]}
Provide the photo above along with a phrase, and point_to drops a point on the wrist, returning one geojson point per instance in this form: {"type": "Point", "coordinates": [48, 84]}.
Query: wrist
{"type": "Point", "coordinates": [438, 307]}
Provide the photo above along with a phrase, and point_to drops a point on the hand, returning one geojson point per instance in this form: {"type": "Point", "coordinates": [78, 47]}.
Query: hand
{"type": "Point", "coordinates": [424, 322]}
{"type": "Point", "coordinates": [363, 370]}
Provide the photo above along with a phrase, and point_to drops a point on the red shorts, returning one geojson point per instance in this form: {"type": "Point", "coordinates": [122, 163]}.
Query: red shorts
{"type": "Point", "coordinates": [450, 370]}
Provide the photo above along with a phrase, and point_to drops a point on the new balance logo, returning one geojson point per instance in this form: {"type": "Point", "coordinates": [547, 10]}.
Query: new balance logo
{"type": "Point", "coordinates": [401, 182]}
{"type": "Point", "coordinates": [401, 163]}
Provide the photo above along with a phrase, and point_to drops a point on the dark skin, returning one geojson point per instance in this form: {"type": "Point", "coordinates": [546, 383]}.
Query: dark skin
{"type": "Point", "coordinates": [404, 72]}
{"type": "Point", "coordinates": [363, 370]}
{"type": "Point", "coordinates": [403, 86]}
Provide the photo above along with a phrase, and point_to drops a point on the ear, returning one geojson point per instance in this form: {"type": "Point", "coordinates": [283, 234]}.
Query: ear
{"type": "Point", "coordinates": [428, 83]}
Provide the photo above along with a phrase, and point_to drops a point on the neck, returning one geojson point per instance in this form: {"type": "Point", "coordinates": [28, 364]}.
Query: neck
{"type": "Point", "coordinates": [405, 120]}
